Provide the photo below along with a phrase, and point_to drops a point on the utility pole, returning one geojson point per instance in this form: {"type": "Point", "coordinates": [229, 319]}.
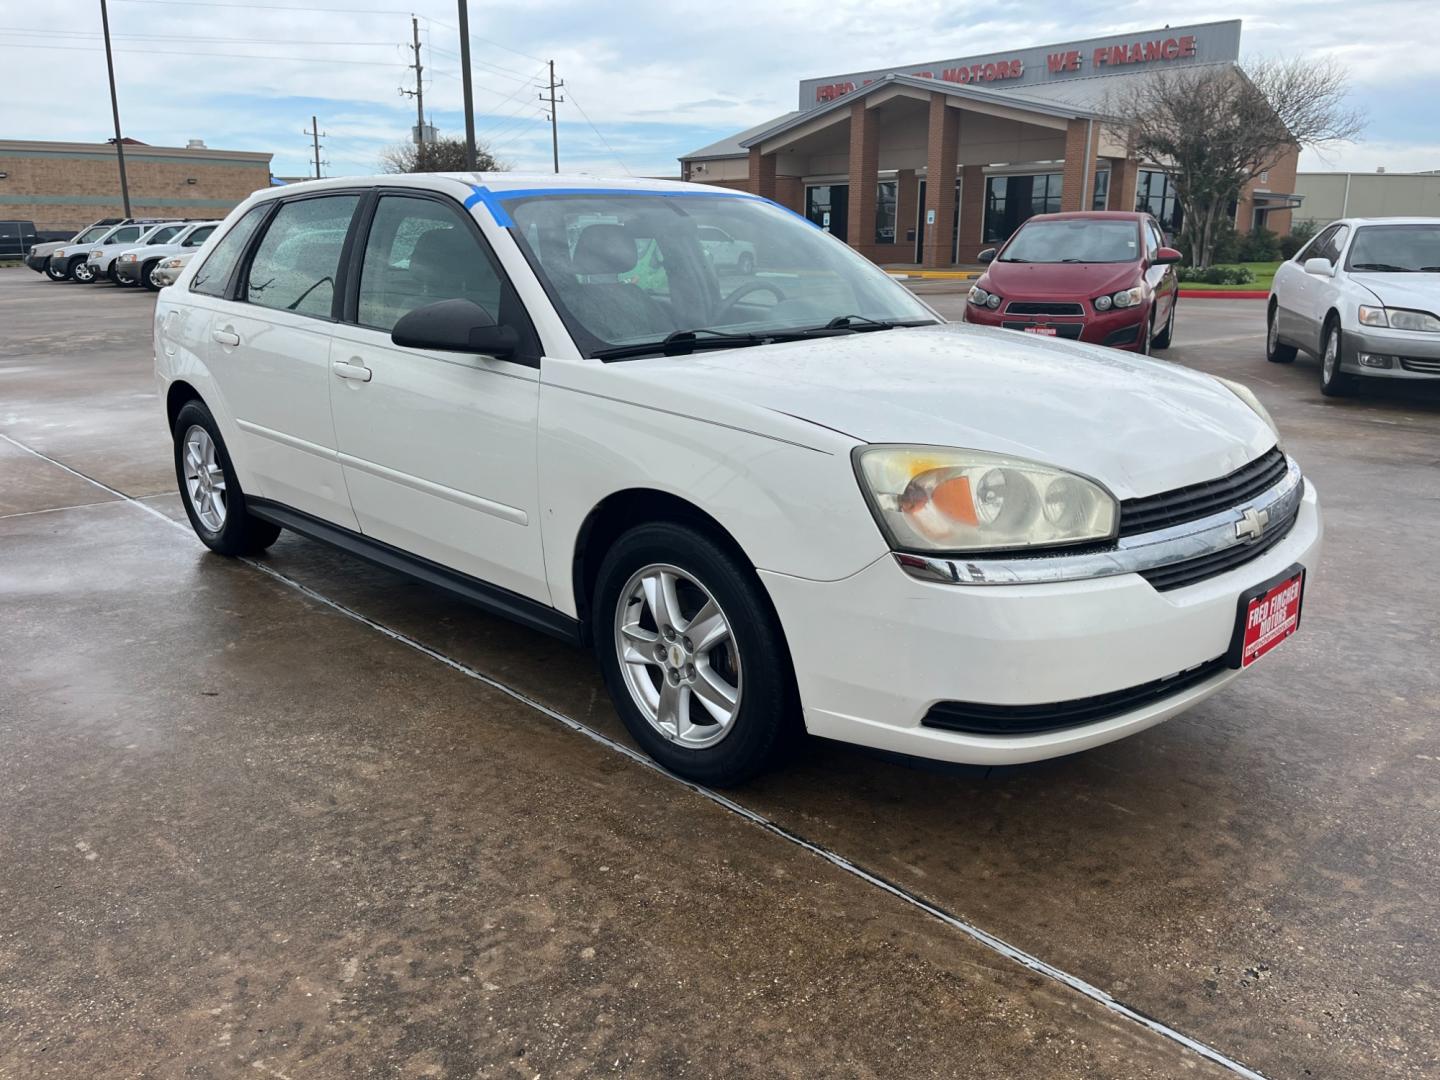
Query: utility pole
{"type": "Point", "coordinates": [115, 110]}
{"type": "Point", "coordinates": [418, 94]}
{"type": "Point", "coordinates": [315, 133]}
{"type": "Point", "coordinates": [554, 120]}
{"type": "Point", "coordinates": [465, 82]}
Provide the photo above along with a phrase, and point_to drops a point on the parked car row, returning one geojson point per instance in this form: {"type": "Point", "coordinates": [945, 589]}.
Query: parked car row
{"type": "Point", "coordinates": [131, 251]}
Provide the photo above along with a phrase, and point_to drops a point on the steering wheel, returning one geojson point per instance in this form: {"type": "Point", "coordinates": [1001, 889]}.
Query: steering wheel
{"type": "Point", "coordinates": [728, 304]}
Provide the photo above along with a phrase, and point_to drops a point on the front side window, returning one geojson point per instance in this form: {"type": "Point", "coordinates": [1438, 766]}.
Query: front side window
{"type": "Point", "coordinates": [626, 270]}
{"type": "Point", "coordinates": [420, 252]}
{"type": "Point", "coordinates": [1330, 247]}
{"type": "Point", "coordinates": [127, 235]}
{"type": "Point", "coordinates": [215, 272]}
{"type": "Point", "coordinates": [1074, 240]}
{"type": "Point", "coordinates": [89, 236]}
{"type": "Point", "coordinates": [1396, 249]}
{"type": "Point", "coordinates": [199, 236]}
{"type": "Point", "coordinates": [295, 265]}
{"type": "Point", "coordinates": [163, 235]}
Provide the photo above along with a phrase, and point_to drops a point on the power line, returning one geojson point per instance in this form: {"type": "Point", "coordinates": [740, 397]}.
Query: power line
{"type": "Point", "coordinates": [90, 35]}
{"type": "Point", "coordinates": [190, 52]}
{"type": "Point", "coordinates": [597, 132]}
{"type": "Point", "coordinates": [267, 7]}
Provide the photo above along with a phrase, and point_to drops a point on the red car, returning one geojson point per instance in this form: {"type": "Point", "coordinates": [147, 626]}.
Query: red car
{"type": "Point", "coordinates": [1103, 277]}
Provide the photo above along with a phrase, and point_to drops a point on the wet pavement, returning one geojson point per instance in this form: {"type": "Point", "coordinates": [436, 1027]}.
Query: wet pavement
{"type": "Point", "coordinates": [241, 830]}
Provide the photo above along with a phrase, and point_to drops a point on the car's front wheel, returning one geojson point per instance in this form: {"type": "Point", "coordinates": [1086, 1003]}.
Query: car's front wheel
{"type": "Point", "coordinates": [54, 272]}
{"type": "Point", "coordinates": [213, 500]}
{"type": "Point", "coordinates": [1333, 381]}
{"type": "Point", "coordinates": [693, 654]}
{"type": "Point", "coordinates": [1276, 351]}
{"type": "Point", "coordinates": [1168, 334]}
{"type": "Point", "coordinates": [147, 275]}
{"type": "Point", "coordinates": [82, 271]}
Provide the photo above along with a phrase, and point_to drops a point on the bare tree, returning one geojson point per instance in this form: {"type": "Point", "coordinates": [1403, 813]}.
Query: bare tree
{"type": "Point", "coordinates": [1214, 129]}
{"type": "Point", "coordinates": [438, 155]}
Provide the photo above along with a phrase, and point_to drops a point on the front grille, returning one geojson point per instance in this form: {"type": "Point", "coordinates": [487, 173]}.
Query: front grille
{"type": "Point", "coordinates": [1028, 307]}
{"type": "Point", "coordinates": [1420, 365]}
{"type": "Point", "coordinates": [976, 719]}
{"type": "Point", "coordinates": [1063, 330]}
{"type": "Point", "coordinates": [1180, 574]}
{"type": "Point", "coordinates": [1201, 500]}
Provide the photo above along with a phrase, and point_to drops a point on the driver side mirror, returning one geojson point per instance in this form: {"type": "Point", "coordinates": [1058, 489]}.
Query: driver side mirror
{"type": "Point", "coordinates": [986, 256]}
{"type": "Point", "coordinates": [455, 326]}
{"type": "Point", "coordinates": [1319, 267]}
{"type": "Point", "coordinates": [1166, 256]}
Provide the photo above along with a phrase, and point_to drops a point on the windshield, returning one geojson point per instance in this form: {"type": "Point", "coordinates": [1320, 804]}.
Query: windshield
{"type": "Point", "coordinates": [1077, 240]}
{"type": "Point", "coordinates": [1396, 249]}
{"type": "Point", "coordinates": [626, 270]}
{"type": "Point", "coordinates": [93, 233]}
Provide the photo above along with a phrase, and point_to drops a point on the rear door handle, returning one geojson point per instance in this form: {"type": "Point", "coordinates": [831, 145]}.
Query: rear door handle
{"type": "Point", "coordinates": [348, 370]}
{"type": "Point", "coordinates": [225, 337]}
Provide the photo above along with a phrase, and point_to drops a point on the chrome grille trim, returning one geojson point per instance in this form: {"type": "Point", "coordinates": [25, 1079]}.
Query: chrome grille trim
{"type": "Point", "coordinates": [1127, 555]}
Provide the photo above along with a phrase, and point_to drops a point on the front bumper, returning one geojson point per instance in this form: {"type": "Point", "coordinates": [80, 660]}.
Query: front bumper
{"type": "Point", "coordinates": [127, 271]}
{"type": "Point", "coordinates": [1119, 328]}
{"type": "Point", "coordinates": [37, 262]}
{"type": "Point", "coordinates": [875, 652]}
{"type": "Point", "coordinates": [1409, 354]}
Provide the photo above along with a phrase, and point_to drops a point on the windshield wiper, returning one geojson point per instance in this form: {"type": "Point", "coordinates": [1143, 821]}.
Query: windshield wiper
{"type": "Point", "coordinates": [683, 341]}
{"type": "Point", "coordinates": [847, 322]}
{"type": "Point", "coordinates": [1384, 268]}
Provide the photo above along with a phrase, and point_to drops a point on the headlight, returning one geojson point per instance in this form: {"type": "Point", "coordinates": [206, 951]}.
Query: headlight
{"type": "Point", "coordinates": [172, 264]}
{"type": "Point", "coordinates": [1245, 394]}
{"type": "Point", "coordinates": [1413, 320]}
{"type": "Point", "coordinates": [127, 258]}
{"type": "Point", "coordinates": [1102, 303]}
{"type": "Point", "coordinates": [1129, 297]}
{"type": "Point", "coordinates": [978, 296]}
{"type": "Point", "coordinates": [57, 253]}
{"type": "Point", "coordinates": [98, 253]}
{"type": "Point", "coordinates": [929, 498]}
{"type": "Point", "coordinates": [1373, 316]}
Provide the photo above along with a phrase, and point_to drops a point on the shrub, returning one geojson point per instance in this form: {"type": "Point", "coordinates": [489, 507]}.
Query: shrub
{"type": "Point", "coordinates": [1258, 245]}
{"type": "Point", "coordinates": [1217, 275]}
{"type": "Point", "coordinates": [1300, 234]}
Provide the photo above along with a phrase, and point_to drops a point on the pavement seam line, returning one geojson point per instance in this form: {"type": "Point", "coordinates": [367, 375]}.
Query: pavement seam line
{"type": "Point", "coordinates": [975, 933]}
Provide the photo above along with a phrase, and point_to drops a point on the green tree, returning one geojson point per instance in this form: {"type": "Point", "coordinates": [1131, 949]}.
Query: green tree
{"type": "Point", "coordinates": [445, 154]}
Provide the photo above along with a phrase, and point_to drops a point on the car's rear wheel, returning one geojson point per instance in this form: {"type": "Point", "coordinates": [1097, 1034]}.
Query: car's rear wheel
{"type": "Point", "coordinates": [1168, 334]}
{"type": "Point", "coordinates": [1333, 381]}
{"type": "Point", "coordinates": [693, 654]}
{"type": "Point", "coordinates": [147, 275]}
{"type": "Point", "coordinates": [82, 271]}
{"type": "Point", "coordinates": [213, 500]}
{"type": "Point", "coordinates": [1276, 351]}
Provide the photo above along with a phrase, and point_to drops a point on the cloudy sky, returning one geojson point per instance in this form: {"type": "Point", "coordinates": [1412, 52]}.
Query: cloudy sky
{"type": "Point", "coordinates": [644, 82]}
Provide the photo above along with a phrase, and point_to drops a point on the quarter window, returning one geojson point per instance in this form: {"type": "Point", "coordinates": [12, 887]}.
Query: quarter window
{"type": "Point", "coordinates": [295, 265]}
{"type": "Point", "coordinates": [214, 273]}
{"type": "Point", "coordinates": [419, 252]}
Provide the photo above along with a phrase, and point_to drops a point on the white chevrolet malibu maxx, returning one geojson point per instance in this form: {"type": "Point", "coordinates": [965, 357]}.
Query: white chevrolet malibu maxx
{"type": "Point", "coordinates": [774, 497]}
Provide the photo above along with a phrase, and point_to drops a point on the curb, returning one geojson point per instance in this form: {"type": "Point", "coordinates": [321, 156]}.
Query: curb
{"type": "Point", "coordinates": [1223, 294]}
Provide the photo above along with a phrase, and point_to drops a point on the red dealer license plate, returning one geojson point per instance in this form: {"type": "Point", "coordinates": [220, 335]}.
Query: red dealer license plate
{"type": "Point", "coordinates": [1268, 615]}
{"type": "Point", "coordinates": [1048, 331]}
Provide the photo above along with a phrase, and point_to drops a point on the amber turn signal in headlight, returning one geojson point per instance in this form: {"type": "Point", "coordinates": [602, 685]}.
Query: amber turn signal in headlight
{"type": "Point", "coordinates": [928, 498]}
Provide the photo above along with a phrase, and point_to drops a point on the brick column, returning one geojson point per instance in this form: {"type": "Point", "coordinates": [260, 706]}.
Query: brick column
{"type": "Point", "coordinates": [907, 198]}
{"type": "Point", "coordinates": [762, 173]}
{"type": "Point", "coordinates": [942, 145]}
{"type": "Point", "coordinates": [1124, 179]}
{"type": "Point", "coordinates": [1077, 191]}
{"type": "Point", "coordinates": [972, 212]}
{"type": "Point", "coordinates": [864, 175]}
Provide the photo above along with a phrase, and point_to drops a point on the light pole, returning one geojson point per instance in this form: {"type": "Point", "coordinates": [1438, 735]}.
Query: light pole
{"type": "Point", "coordinates": [115, 109]}
{"type": "Point", "coordinates": [465, 82]}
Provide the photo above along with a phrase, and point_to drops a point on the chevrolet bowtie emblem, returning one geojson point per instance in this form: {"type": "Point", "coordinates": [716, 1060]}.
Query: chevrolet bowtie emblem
{"type": "Point", "coordinates": [1252, 524]}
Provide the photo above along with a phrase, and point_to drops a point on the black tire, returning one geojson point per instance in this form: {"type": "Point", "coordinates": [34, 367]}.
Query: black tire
{"type": "Point", "coordinates": [53, 272]}
{"type": "Point", "coordinates": [113, 274]}
{"type": "Point", "coordinates": [766, 724]}
{"type": "Point", "coordinates": [145, 272]}
{"type": "Point", "coordinates": [746, 263]}
{"type": "Point", "coordinates": [1147, 341]}
{"type": "Point", "coordinates": [1168, 334]}
{"type": "Point", "coordinates": [239, 533]}
{"type": "Point", "coordinates": [1276, 351]}
{"type": "Point", "coordinates": [1333, 381]}
{"type": "Point", "coordinates": [81, 270]}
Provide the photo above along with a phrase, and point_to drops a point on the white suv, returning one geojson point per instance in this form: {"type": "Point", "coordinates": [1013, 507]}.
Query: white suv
{"type": "Point", "coordinates": [790, 500]}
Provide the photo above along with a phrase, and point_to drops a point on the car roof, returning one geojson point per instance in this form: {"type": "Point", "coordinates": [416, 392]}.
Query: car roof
{"type": "Point", "coordinates": [500, 183]}
{"type": "Point", "coordinates": [1090, 215]}
{"type": "Point", "coordinates": [1357, 221]}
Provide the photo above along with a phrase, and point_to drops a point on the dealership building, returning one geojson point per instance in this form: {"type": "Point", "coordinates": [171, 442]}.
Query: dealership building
{"type": "Point", "coordinates": [930, 163]}
{"type": "Point", "coordinates": [63, 186]}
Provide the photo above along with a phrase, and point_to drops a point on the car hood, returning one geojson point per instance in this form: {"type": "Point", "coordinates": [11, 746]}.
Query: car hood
{"type": "Point", "coordinates": [49, 247]}
{"type": "Point", "coordinates": [1139, 426]}
{"type": "Point", "coordinates": [1052, 281]}
{"type": "Point", "coordinates": [1420, 291]}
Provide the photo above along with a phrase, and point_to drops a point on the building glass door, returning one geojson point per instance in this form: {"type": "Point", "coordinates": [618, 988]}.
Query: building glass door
{"type": "Point", "coordinates": [828, 205]}
{"type": "Point", "coordinates": [920, 226]}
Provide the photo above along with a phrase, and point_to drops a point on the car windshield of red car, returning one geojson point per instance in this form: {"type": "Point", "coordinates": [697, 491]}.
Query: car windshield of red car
{"type": "Point", "coordinates": [1081, 240]}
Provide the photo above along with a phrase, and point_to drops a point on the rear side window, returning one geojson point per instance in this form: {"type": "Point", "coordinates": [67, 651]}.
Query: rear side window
{"type": "Point", "coordinates": [419, 252]}
{"type": "Point", "coordinates": [199, 236]}
{"type": "Point", "coordinates": [295, 265]}
{"type": "Point", "coordinates": [214, 273]}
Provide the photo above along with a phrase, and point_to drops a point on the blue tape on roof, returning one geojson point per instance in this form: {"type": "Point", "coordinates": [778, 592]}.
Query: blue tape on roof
{"type": "Point", "coordinates": [494, 200]}
{"type": "Point", "coordinates": [492, 203]}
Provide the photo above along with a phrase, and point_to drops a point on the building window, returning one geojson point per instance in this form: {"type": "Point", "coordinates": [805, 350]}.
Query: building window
{"type": "Point", "coordinates": [1155, 193]}
{"type": "Point", "coordinates": [1102, 189]}
{"type": "Point", "coordinates": [885, 193]}
{"type": "Point", "coordinates": [828, 205]}
{"type": "Point", "coordinates": [1011, 200]}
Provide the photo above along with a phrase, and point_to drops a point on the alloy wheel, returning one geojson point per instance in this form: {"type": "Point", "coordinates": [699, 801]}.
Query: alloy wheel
{"type": "Point", "coordinates": [204, 479]}
{"type": "Point", "coordinates": [83, 272]}
{"type": "Point", "coordinates": [1332, 355]}
{"type": "Point", "coordinates": [1272, 333]}
{"type": "Point", "coordinates": [677, 656]}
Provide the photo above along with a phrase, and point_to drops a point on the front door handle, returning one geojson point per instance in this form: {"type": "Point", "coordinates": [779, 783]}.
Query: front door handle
{"type": "Point", "coordinates": [226, 337]}
{"type": "Point", "coordinates": [347, 370]}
